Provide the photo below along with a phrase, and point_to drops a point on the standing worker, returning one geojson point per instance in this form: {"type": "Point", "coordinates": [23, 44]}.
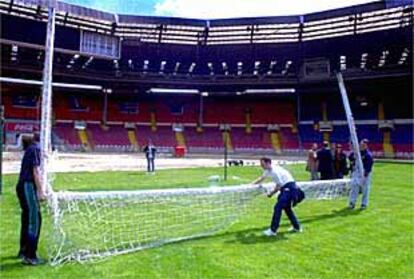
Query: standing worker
{"type": "Point", "coordinates": [30, 191]}
{"type": "Point", "coordinates": [367, 162]}
{"type": "Point", "coordinates": [150, 152]}
{"type": "Point", "coordinates": [340, 163]}
{"type": "Point", "coordinates": [325, 162]}
{"type": "Point", "coordinates": [312, 163]}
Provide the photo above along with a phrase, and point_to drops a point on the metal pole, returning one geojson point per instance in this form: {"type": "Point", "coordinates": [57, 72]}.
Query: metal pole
{"type": "Point", "coordinates": [200, 115]}
{"type": "Point", "coordinates": [54, 84]}
{"type": "Point", "coordinates": [225, 155]}
{"type": "Point", "coordinates": [298, 107]}
{"type": "Point", "coordinates": [105, 108]}
{"type": "Point", "coordinates": [351, 124]}
{"type": "Point", "coordinates": [46, 123]}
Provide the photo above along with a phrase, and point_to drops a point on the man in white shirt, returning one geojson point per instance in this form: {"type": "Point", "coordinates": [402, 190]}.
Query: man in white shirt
{"type": "Point", "coordinates": [288, 189]}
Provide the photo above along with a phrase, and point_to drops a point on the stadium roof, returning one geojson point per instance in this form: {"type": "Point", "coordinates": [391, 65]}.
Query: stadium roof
{"type": "Point", "coordinates": [370, 37]}
{"type": "Point", "coordinates": [217, 9]}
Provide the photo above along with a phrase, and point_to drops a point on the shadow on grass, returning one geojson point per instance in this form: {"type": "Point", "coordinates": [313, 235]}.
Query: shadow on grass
{"type": "Point", "coordinates": [7, 258]}
{"type": "Point", "coordinates": [10, 265]}
{"type": "Point", "coordinates": [255, 236]}
{"type": "Point", "coordinates": [344, 212]}
{"type": "Point", "coordinates": [248, 236]}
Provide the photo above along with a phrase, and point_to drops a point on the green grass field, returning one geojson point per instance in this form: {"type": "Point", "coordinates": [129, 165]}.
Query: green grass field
{"type": "Point", "coordinates": [336, 242]}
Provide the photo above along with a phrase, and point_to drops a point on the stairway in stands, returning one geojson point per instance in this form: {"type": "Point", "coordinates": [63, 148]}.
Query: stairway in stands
{"type": "Point", "coordinates": [133, 139]}
{"type": "Point", "coordinates": [276, 142]}
{"type": "Point", "coordinates": [226, 135]}
{"type": "Point", "coordinates": [83, 137]}
{"type": "Point", "coordinates": [386, 142]}
{"type": "Point", "coordinates": [179, 136]}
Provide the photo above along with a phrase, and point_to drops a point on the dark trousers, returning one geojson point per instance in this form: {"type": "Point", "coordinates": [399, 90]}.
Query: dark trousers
{"type": "Point", "coordinates": [326, 175]}
{"type": "Point", "coordinates": [284, 202]}
{"type": "Point", "coordinates": [31, 219]}
{"type": "Point", "coordinates": [150, 165]}
{"type": "Point", "coordinates": [339, 175]}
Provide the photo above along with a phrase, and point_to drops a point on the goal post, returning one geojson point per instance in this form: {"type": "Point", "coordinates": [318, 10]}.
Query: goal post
{"type": "Point", "coordinates": [358, 173]}
{"type": "Point", "coordinates": [46, 109]}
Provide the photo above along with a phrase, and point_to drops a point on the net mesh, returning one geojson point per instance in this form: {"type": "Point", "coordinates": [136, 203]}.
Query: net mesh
{"type": "Point", "coordinates": [93, 225]}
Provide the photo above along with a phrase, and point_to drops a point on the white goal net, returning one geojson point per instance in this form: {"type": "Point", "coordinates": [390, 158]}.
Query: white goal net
{"type": "Point", "coordinates": [94, 225]}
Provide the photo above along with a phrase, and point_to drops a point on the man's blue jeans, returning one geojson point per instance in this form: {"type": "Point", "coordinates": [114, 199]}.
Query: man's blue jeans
{"type": "Point", "coordinates": [366, 187]}
{"type": "Point", "coordinates": [284, 202]}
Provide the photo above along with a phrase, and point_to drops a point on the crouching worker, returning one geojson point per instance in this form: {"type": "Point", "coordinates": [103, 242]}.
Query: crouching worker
{"type": "Point", "coordinates": [289, 195]}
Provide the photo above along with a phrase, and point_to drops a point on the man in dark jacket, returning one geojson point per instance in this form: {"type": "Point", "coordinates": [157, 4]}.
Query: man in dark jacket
{"type": "Point", "coordinates": [150, 152]}
{"type": "Point", "coordinates": [340, 164]}
{"type": "Point", "coordinates": [325, 162]}
{"type": "Point", "coordinates": [30, 191]}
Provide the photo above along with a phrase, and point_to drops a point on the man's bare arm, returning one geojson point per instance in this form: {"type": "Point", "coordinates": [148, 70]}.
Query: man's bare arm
{"type": "Point", "coordinates": [274, 191]}
{"type": "Point", "coordinates": [259, 180]}
{"type": "Point", "coordinates": [41, 193]}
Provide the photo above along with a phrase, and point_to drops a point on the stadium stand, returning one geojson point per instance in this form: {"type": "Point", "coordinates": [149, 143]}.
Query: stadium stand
{"type": "Point", "coordinates": [222, 60]}
{"type": "Point", "coordinates": [67, 132]}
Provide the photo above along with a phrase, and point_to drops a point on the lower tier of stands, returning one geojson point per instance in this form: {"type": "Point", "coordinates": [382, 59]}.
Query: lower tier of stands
{"type": "Point", "coordinates": [209, 138]}
{"type": "Point", "coordinates": [119, 138]}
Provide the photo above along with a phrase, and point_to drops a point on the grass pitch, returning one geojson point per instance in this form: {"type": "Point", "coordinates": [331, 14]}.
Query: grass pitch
{"type": "Point", "coordinates": [336, 243]}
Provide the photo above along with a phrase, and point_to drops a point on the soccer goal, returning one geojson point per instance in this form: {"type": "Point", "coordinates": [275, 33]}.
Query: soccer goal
{"type": "Point", "coordinates": [93, 225]}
